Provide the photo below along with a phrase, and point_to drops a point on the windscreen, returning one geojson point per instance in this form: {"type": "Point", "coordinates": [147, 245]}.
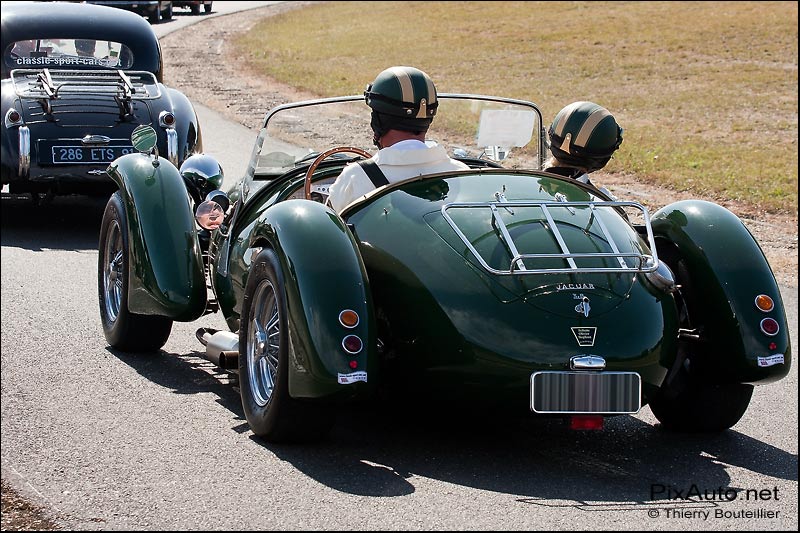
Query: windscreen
{"type": "Point", "coordinates": [67, 54]}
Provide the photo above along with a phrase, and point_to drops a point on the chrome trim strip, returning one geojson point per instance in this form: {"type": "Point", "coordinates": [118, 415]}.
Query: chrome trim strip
{"type": "Point", "coordinates": [24, 150]}
{"type": "Point", "coordinates": [172, 146]}
{"type": "Point", "coordinates": [95, 139]}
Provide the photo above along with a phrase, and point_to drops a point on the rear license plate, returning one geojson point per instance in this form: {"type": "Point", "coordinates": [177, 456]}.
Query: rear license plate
{"type": "Point", "coordinates": [84, 155]}
{"type": "Point", "coordinates": [586, 392]}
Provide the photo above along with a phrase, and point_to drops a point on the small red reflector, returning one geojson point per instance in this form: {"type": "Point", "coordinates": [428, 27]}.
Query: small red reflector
{"type": "Point", "coordinates": [353, 364]}
{"type": "Point", "coordinates": [773, 346]}
{"type": "Point", "coordinates": [770, 326]}
{"type": "Point", "coordinates": [764, 303]}
{"type": "Point", "coordinates": [348, 318]}
{"type": "Point", "coordinates": [352, 344]}
{"type": "Point", "coordinates": [586, 422]}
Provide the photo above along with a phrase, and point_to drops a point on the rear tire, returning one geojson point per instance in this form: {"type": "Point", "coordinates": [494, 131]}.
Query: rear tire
{"type": "Point", "coordinates": [123, 330]}
{"type": "Point", "coordinates": [207, 7]}
{"type": "Point", "coordinates": [264, 346]}
{"type": "Point", "coordinates": [691, 402]}
{"type": "Point", "coordinates": [702, 407]}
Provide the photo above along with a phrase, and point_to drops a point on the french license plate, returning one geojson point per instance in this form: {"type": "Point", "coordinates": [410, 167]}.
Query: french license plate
{"type": "Point", "coordinates": [586, 392]}
{"type": "Point", "coordinates": [86, 155]}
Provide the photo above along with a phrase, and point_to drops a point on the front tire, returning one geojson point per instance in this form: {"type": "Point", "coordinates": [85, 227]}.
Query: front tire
{"type": "Point", "coordinates": [123, 330]}
{"type": "Point", "coordinates": [264, 361]}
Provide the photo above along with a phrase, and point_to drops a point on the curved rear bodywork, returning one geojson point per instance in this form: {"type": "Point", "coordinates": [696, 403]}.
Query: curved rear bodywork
{"type": "Point", "coordinates": [474, 291]}
{"type": "Point", "coordinates": [730, 270]}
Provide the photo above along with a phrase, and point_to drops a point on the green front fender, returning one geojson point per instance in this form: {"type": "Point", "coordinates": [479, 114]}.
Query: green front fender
{"type": "Point", "coordinates": [728, 271]}
{"type": "Point", "coordinates": [165, 270]}
{"type": "Point", "coordinates": [324, 275]}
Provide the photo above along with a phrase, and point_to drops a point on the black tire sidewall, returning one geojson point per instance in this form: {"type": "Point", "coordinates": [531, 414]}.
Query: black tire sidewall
{"type": "Point", "coordinates": [115, 211]}
{"type": "Point", "coordinates": [265, 421]}
{"type": "Point", "coordinates": [130, 331]}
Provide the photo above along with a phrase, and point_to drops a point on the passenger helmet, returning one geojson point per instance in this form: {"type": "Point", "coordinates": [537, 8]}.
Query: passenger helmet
{"type": "Point", "coordinates": [584, 135]}
{"type": "Point", "coordinates": [204, 171]}
{"type": "Point", "coordinates": [401, 98]}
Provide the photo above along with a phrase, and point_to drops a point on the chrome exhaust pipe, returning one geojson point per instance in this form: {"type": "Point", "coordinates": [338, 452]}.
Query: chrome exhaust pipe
{"type": "Point", "coordinates": [222, 347]}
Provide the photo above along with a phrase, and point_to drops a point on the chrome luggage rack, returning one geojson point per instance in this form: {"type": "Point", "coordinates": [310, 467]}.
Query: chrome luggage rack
{"type": "Point", "coordinates": [639, 262]}
{"type": "Point", "coordinates": [44, 83]}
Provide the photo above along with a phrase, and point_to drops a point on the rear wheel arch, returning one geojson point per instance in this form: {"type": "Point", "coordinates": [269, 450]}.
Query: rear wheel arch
{"type": "Point", "coordinates": [264, 355]}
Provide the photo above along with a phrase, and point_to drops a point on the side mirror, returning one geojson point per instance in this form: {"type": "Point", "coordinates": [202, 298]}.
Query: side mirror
{"type": "Point", "coordinates": [211, 213]}
{"type": "Point", "coordinates": [144, 140]}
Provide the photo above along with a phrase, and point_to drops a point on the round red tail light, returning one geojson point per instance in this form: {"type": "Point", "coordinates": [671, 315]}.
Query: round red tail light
{"type": "Point", "coordinates": [770, 327]}
{"type": "Point", "coordinates": [14, 116]}
{"type": "Point", "coordinates": [352, 344]}
{"type": "Point", "coordinates": [166, 119]}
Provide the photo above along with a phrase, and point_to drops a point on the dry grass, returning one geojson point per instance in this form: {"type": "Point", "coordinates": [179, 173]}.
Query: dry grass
{"type": "Point", "coordinates": [706, 91]}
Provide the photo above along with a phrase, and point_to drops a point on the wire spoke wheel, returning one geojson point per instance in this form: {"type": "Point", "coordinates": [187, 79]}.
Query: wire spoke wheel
{"type": "Point", "coordinates": [264, 343]}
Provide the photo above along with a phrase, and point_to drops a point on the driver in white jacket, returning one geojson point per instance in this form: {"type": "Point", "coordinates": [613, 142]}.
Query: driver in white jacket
{"type": "Point", "coordinates": [403, 102]}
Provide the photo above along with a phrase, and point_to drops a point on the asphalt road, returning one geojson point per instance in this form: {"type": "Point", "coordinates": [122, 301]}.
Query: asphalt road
{"type": "Point", "coordinates": [112, 441]}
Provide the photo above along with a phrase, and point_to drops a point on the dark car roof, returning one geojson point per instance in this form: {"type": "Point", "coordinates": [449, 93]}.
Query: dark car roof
{"type": "Point", "coordinates": [61, 20]}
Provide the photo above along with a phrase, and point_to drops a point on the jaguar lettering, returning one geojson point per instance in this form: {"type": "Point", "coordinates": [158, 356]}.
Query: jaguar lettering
{"type": "Point", "coordinates": [574, 286]}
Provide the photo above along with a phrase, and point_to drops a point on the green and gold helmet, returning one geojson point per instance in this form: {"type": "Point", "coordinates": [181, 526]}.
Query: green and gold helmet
{"type": "Point", "coordinates": [584, 135]}
{"type": "Point", "coordinates": [404, 98]}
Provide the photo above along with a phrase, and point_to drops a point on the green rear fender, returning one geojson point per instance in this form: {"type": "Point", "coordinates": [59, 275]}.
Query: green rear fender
{"type": "Point", "coordinates": [166, 275]}
{"type": "Point", "coordinates": [728, 270]}
{"type": "Point", "coordinates": [324, 275]}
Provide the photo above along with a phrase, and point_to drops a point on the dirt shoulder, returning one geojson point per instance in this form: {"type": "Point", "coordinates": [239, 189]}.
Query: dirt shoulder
{"type": "Point", "coordinates": [19, 514]}
{"type": "Point", "coordinates": [209, 76]}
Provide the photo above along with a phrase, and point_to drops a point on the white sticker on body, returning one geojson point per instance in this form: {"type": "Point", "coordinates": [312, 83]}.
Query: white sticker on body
{"type": "Point", "coordinates": [775, 359]}
{"type": "Point", "coordinates": [352, 377]}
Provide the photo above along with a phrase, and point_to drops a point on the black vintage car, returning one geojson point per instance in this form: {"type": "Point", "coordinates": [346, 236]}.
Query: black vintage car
{"type": "Point", "coordinates": [155, 11]}
{"type": "Point", "coordinates": [76, 80]}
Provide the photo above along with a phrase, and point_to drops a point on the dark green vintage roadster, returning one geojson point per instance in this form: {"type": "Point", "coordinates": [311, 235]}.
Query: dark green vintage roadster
{"type": "Point", "coordinates": [503, 285]}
